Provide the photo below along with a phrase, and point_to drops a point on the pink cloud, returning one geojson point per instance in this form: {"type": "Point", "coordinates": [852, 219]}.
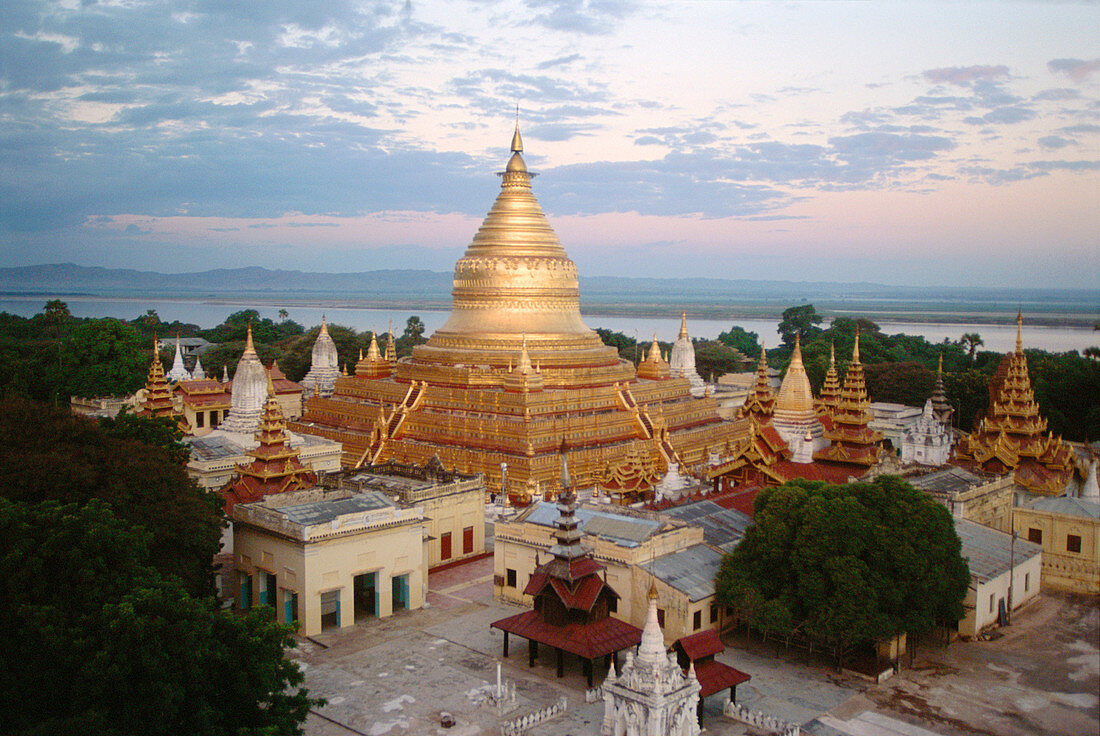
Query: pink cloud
{"type": "Point", "coordinates": [963, 75]}
{"type": "Point", "coordinates": [1075, 69]}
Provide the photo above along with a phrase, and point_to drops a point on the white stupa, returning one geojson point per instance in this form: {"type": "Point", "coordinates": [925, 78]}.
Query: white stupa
{"type": "Point", "coordinates": [652, 696]}
{"type": "Point", "coordinates": [928, 441]}
{"type": "Point", "coordinates": [682, 361]}
{"type": "Point", "coordinates": [324, 365]}
{"type": "Point", "coordinates": [198, 373]}
{"type": "Point", "coordinates": [249, 392]}
{"type": "Point", "coordinates": [178, 372]}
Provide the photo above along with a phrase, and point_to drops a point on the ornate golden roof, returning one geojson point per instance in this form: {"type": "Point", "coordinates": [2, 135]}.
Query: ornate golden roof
{"type": "Point", "coordinates": [514, 279]}
{"type": "Point", "coordinates": [795, 397]}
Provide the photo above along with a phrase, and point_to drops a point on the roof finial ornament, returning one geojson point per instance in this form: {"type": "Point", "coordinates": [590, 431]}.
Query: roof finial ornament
{"type": "Point", "coordinates": [1019, 332]}
{"type": "Point", "coordinates": [517, 139]}
{"type": "Point", "coordinates": [855, 347]}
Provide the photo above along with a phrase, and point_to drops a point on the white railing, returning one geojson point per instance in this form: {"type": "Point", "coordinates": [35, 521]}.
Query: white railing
{"type": "Point", "coordinates": [757, 719]}
{"type": "Point", "coordinates": [519, 725]}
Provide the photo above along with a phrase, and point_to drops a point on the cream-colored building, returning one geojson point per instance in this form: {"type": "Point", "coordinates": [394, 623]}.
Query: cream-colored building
{"type": "Point", "coordinates": [638, 548]}
{"type": "Point", "coordinates": [996, 563]}
{"type": "Point", "coordinates": [327, 559]}
{"type": "Point", "coordinates": [1069, 531]}
{"type": "Point", "coordinates": [453, 504]}
{"type": "Point", "coordinates": [985, 498]}
{"type": "Point", "coordinates": [215, 456]}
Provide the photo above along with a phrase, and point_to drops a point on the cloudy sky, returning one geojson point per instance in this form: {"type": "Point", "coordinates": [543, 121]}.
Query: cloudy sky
{"type": "Point", "coordinates": [899, 142]}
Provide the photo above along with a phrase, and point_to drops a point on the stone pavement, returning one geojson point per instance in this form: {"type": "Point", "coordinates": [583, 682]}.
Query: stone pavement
{"type": "Point", "coordinates": [396, 675]}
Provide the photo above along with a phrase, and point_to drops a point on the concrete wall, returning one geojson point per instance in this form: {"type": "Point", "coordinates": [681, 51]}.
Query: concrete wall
{"type": "Point", "coordinates": [312, 568]}
{"type": "Point", "coordinates": [980, 614]}
{"type": "Point", "coordinates": [454, 513]}
{"type": "Point", "coordinates": [1074, 571]}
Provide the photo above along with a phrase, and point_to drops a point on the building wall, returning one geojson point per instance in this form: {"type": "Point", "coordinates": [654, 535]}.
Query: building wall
{"type": "Point", "coordinates": [989, 504]}
{"type": "Point", "coordinates": [983, 600]}
{"type": "Point", "coordinates": [453, 514]}
{"type": "Point", "coordinates": [1063, 569]}
{"type": "Point", "coordinates": [515, 545]}
{"type": "Point", "coordinates": [312, 568]}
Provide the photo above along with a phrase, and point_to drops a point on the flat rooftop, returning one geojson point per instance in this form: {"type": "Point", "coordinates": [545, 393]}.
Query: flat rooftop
{"type": "Point", "coordinates": [621, 528]}
{"type": "Point", "coordinates": [324, 511]}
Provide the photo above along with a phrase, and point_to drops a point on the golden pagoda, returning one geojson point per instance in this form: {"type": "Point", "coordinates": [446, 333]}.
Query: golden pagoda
{"type": "Point", "coordinates": [830, 389]}
{"type": "Point", "coordinates": [514, 372]}
{"type": "Point", "coordinates": [760, 403]}
{"type": "Point", "coordinates": [275, 467]}
{"type": "Point", "coordinates": [158, 396]}
{"type": "Point", "coordinates": [1011, 436]}
{"type": "Point", "coordinates": [853, 441]}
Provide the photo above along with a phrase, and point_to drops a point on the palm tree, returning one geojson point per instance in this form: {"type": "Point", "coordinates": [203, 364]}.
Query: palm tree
{"type": "Point", "coordinates": [283, 314]}
{"type": "Point", "coordinates": [972, 341]}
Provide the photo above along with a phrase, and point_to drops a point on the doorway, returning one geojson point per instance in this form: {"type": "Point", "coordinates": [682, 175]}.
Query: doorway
{"type": "Point", "coordinates": [366, 595]}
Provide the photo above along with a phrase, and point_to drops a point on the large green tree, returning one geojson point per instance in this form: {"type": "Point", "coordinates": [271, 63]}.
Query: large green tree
{"type": "Point", "coordinates": [97, 641]}
{"type": "Point", "coordinates": [802, 320]}
{"type": "Point", "coordinates": [846, 564]}
{"type": "Point", "coordinates": [48, 454]}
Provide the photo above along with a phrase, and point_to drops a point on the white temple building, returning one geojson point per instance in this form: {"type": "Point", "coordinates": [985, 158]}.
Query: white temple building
{"type": "Point", "coordinates": [795, 418]}
{"type": "Point", "coordinates": [652, 696]}
{"type": "Point", "coordinates": [682, 360]}
{"type": "Point", "coordinates": [928, 441]}
{"type": "Point", "coordinates": [324, 365]}
{"type": "Point", "coordinates": [248, 393]}
{"type": "Point", "coordinates": [178, 371]}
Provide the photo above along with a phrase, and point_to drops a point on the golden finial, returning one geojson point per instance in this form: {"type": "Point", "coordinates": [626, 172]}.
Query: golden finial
{"type": "Point", "coordinates": [324, 327]}
{"type": "Point", "coordinates": [683, 324]}
{"type": "Point", "coordinates": [270, 384]}
{"type": "Point", "coordinates": [855, 347]}
{"type": "Point", "coordinates": [796, 355]}
{"type": "Point", "coordinates": [652, 591]}
{"type": "Point", "coordinates": [1019, 332]}
{"type": "Point", "coordinates": [248, 346]}
{"type": "Point", "coordinates": [939, 370]}
{"type": "Point", "coordinates": [517, 139]}
{"type": "Point", "coordinates": [832, 354]}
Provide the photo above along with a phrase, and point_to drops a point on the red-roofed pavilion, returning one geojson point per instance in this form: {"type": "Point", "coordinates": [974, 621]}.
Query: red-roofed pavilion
{"type": "Point", "coordinates": [573, 602]}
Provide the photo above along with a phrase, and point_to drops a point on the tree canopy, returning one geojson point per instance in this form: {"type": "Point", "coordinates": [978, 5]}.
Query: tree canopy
{"type": "Point", "coordinates": [51, 455]}
{"type": "Point", "coordinates": [846, 564]}
{"type": "Point", "coordinates": [802, 321]}
{"type": "Point", "coordinates": [97, 641]}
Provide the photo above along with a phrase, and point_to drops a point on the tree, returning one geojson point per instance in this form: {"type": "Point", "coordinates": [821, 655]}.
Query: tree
{"type": "Point", "coordinates": [162, 432]}
{"type": "Point", "coordinates": [121, 649]}
{"type": "Point", "coordinates": [971, 341]}
{"type": "Point", "coordinates": [414, 330]}
{"type": "Point", "coordinates": [103, 357]}
{"type": "Point", "coordinates": [908, 383]}
{"type": "Point", "coordinates": [51, 455]}
{"type": "Point", "coordinates": [846, 564]}
{"type": "Point", "coordinates": [626, 345]}
{"type": "Point", "coordinates": [802, 321]}
{"type": "Point", "coordinates": [747, 343]}
{"type": "Point", "coordinates": [283, 314]}
{"type": "Point", "coordinates": [968, 393]}
{"type": "Point", "coordinates": [713, 358]}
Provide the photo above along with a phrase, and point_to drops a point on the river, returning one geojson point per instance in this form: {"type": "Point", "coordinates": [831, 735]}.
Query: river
{"type": "Point", "coordinates": [999, 338]}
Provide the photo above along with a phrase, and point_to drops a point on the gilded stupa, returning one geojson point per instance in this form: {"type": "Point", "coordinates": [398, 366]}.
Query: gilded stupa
{"type": "Point", "coordinates": [158, 396]}
{"type": "Point", "coordinates": [514, 372]}
{"type": "Point", "coordinates": [853, 440]}
{"type": "Point", "coordinates": [1013, 437]}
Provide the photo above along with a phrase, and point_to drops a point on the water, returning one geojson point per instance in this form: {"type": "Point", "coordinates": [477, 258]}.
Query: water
{"type": "Point", "coordinates": [998, 338]}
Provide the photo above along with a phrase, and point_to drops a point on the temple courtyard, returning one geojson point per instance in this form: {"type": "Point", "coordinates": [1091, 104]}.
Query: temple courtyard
{"type": "Point", "coordinates": [399, 674]}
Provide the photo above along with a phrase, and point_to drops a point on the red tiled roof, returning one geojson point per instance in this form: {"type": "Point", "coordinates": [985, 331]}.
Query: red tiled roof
{"type": "Point", "coordinates": [714, 677]}
{"type": "Point", "coordinates": [583, 597]}
{"type": "Point", "coordinates": [589, 640]}
{"type": "Point", "coordinates": [829, 472]}
{"type": "Point", "coordinates": [704, 644]}
{"type": "Point", "coordinates": [741, 499]}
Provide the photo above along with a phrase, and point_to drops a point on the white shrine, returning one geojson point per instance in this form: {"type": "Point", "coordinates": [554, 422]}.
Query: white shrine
{"type": "Point", "coordinates": [652, 696]}
{"type": "Point", "coordinates": [178, 372]}
{"type": "Point", "coordinates": [248, 394]}
{"type": "Point", "coordinates": [681, 362]}
{"type": "Point", "coordinates": [928, 442]}
{"type": "Point", "coordinates": [324, 365]}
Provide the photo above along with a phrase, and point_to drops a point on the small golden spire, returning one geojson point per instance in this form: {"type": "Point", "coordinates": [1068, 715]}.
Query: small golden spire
{"type": "Point", "coordinates": [324, 327]}
{"type": "Point", "coordinates": [248, 346]}
{"type": "Point", "coordinates": [517, 139]}
{"type": "Point", "coordinates": [652, 591]}
{"type": "Point", "coordinates": [939, 369]}
{"type": "Point", "coordinates": [655, 350]}
{"type": "Point", "coordinates": [855, 347]}
{"type": "Point", "coordinates": [524, 365]}
{"type": "Point", "coordinates": [683, 324]}
{"type": "Point", "coordinates": [372, 352]}
{"type": "Point", "coordinates": [796, 356]}
{"type": "Point", "coordinates": [832, 354]}
{"type": "Point", "coordinates": [1019, 333]}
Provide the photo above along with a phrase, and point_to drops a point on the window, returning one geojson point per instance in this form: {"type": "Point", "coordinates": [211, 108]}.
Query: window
{"type": "Point", "coordinates": [467, 540]}
{"type": "Point", "coordinates": [613, 604]}
{"type": "Point", "coordinates": [991, 603]}
{"type": "Point", "coordinates": [445, 546]}
{"type": "Point", "coordinates": [511, 577]}
{"type": "Point", "coordinates": [697, 621]}
{"type": "Point", "coordinates": [661, 617]}
{"type": "Point", "coordinates": [1035, 535]}
{"type": "Point", "coordinates": [200, 418]}
{"type": "Point", "coordinates": [1027, 581]}
{"type": "Point", "coordinates": [714, 614]}
{"type": "Point", "coordinates": [1073, 543]}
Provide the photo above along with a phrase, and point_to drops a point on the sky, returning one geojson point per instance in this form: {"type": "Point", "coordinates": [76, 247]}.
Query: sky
{"type": "Point", "coordinates": [894, 142]}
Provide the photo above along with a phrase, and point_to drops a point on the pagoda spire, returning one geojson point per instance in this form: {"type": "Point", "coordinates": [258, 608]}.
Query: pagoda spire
{"type": "Point", "coordinates": [830, 388]}
{"type": "Point", "coordinates": [760, 403]}
{"type": "Point", "coordinates": [1020, 333]}
{"type": "Point", "coordinates": [158, 396]}
{"type": "Point", "coordinates": [324, 327]}
{"type": "Point", "coordinates": [683, 324]}
{"type": "Point", "coordinates": [249, 348]}
{"type": "Point", "coordinates": [853, 440]}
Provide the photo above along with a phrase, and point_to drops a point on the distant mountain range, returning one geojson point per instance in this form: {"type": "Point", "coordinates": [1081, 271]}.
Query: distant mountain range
{"type": "Point", "coordinates": [602, 294]}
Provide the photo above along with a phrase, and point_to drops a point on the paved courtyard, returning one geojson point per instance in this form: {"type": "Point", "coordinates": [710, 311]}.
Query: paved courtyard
{"type": "Point", "coordinates": [397, 675]}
